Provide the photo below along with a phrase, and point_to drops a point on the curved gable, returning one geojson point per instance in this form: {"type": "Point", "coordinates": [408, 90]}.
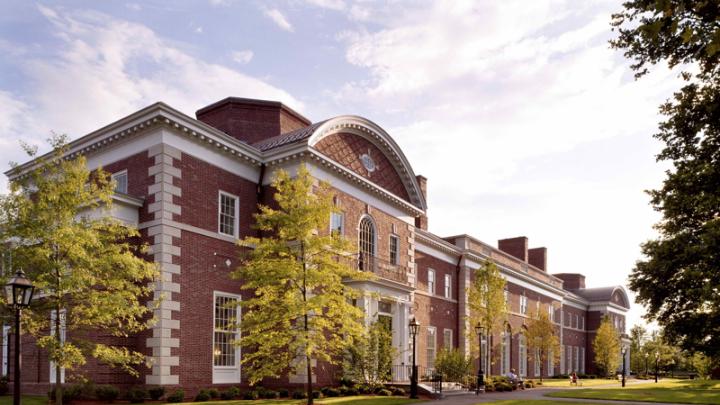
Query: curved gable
{"type": "Point", "coordinates": [367, 150]}
{"type": "Point", "coordinates": [619, 297]}
{"type": "Point", "coordinates": [347, 149]}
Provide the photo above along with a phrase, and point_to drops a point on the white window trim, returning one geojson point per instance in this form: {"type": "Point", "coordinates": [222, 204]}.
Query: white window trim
{"type": "Point", "coordinates": [225, 374]}
{"type": "Point", "coordinates": [63, 331]}
{"type": "Point", "coordinates": [127, 179]}
{"type": "Point", "coordinates": [523, 304]}
{"type": "Point", "coordinates": [434, 333]}
{"type": "Point", "coordinates": [397, 254]}
{"type": "Point", "coordinates": [451, 339]}
{"type": "Point", "coordinates": [448, 286]}
{"type": "Point", "coordinates": [236, 221]}
{"type": "Point", "coordinates": [342, 222]}
{"type": "Point", "coordinates": [523, 361]}
{"type": "Point", "coordinates": [431, 287]}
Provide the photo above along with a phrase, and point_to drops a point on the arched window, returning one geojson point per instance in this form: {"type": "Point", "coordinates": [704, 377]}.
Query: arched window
{"type": "Point", "coordinates": [522, 348]}
{"type": "Point", "coordinates": [506, 344]}
{"type": "Point", "coordinates": [366, 243]}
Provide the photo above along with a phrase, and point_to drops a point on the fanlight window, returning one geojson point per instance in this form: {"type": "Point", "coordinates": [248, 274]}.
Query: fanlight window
{"type": "Point", "coordinates": [367, 243]}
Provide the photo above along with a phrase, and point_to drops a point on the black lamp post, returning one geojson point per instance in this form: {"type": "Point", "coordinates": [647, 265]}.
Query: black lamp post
{"type": "Point", "coordinates": [657, 357]}
{"type": "Point", "coordinates": [480, 377]}
{"type": "Point", "coordinates": [623, 351]}
{"type": "Point", "coordinates": [414, 326]}
{"type": "Point", "coordinates": [19, 291]}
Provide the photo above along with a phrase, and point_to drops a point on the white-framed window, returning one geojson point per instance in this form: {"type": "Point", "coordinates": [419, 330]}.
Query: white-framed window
{"type": "Point", "coordinates": [226, 332]}
{"type": "Point", "coordinates": [576, 323]}
{"type": "Point", "coordinates": [537, 361]}
{"type": "Point", "coordinates": [522, 348]}
{"type": "Point", "coordinates": [576, 359]}
{"type": "Point", "coordinates": [551, 313]}
{"type": "Point", "coordinates": [582, 360]}
{"type": "Point", "coordinates": [448, 286]}
{"type": "Point", "coordinates": [550, 364]}
{"type": "Point", "coordinates": [582, 322]}
{"type": "Point", "coordinates": [447, 338]}
{"type": "Point", "coordinates": [523, 304]}
{"type": "Point", "coordinates": [337, 223]}
{"type": "Point", "coordinates": [228, 210]}
{"type": "Point", "coordinates": [431, 346]}
{"type": "Point", "coordinates": [394, 249]}
{"type": "Point", "coordinates": [568, 359]}
{"type": "Point", "coordinates": [506, 295]}
{"type": "Point", "coordinates": [505, 360]}
{"type": "Point", "coordinates": [121, 181]}
{"type": "Point", "coordinates": [431, 281]}
{"type": "Point", "coordinates": [366, 244]}
{"type": "Point", "coordinates": [562, 359]}
{"type": "Point", "coordinates": [53, 318]}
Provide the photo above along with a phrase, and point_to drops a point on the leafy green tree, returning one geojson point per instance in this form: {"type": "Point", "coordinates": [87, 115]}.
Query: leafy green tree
{"type": "Point", "coordinates": [543, 343]}
{"type": "Point", "coordinates": [637, 359]}
{"type": "Point", "coordinates": [453, 365]}
{"type": "Point", "coordinates": [678, 279]}
{"type": "Point", "coordinates": [702, 364]}
{"type": "Point", "coordinates": [607, 347]}
{"type": "Point", "coordinates": [89, 271]}
{"type": "Point", "coordinates": [301, 309]}
{"type": "Point", "coordinates": [370, 359]}
{"type": "Point", "coordinates": [486, 301]}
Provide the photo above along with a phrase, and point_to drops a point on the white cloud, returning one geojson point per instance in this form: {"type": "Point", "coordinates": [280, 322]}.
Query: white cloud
{"type": "Point", "coordinates": [329, 4]}
{"type": "Point", "coordinates": [279, 19]}
{"type": "Point", "coordinates": [106, 68]}
{"type": "Point", "coordinates": [242, 57]}
{"type": "Point", "coordinates": [220, 2]}
{"type": "Point", "coordinates": [482, 96]}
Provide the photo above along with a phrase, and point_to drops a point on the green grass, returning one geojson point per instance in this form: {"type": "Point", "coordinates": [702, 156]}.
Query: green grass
{"type": "Point", "coordinates": [565, 382]}
{"type": "Point", "coordinates": [358, 400]}
{"type": "Point", "coordinates": [26, 400]}
{"type": "Point", "coordinates": [678, 391]}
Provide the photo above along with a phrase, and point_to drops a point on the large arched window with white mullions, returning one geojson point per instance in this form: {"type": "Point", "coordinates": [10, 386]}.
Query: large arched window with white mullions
{"type": "Point", "coordinates": [366, 243]}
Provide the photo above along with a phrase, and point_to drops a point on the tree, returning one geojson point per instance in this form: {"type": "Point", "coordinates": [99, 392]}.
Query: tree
{"type": "Point", "coordinates": [542, 341]}
{"type": "Point", "coordinates": [301, 310]}
{"type": "Point", "coordinates": [702, 364]}
{"type": "Point", "coordinates": [607, 347]}
{"type": "Point", "coordinates": [678, 279]}
{"type": "Point", "coordinates": [90, 271]}
{"type": "Point", "coordinates": [369, 360]}
{"type": "Point", "coordinates": [453, 365]}
{"type": "Point", "coordinates": [486, 300]}
{"type": "Point", "coordinates": [637, 359]}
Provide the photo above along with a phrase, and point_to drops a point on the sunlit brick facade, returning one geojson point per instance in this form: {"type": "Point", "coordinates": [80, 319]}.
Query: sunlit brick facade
{"type": "Point", "coordinates": [192, 186]}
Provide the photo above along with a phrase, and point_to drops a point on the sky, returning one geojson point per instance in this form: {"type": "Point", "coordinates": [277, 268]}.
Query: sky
{"type": "Point", "coordinates": [520, 115]}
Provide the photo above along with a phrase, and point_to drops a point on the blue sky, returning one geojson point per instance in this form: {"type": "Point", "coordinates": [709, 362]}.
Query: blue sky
{"type": "Point", "coordinates": [523, 119]}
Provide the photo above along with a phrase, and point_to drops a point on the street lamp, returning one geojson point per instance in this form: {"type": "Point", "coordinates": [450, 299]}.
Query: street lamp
{"type": "Point", "coordinates": [623, 351]}
{"type": "Point", "coordinates": [480, 377]}
{"type": "Point", "coordinates": [414, 327]}
{"type": "Point", "coordinates": [657, 357]}
{"type": "Point", "coordinates": [19, 291]}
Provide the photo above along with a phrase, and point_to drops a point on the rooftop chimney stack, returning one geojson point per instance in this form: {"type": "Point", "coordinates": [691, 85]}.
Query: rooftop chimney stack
{"type": "Point", "coordinates": [517, 247]}
{"type": "Point", "coordinates": [572, 281]}
{"type": "Point", "coordinates": [538, 258]}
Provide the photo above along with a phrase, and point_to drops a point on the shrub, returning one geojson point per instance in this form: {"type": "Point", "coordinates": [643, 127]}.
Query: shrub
{"type": "Point", "coordinates": [489, 386]}
{"type": "Point", "coordinates": [348, 382]}
{"type": "Point", "coordinates": [332, 392]}
{"type": "Point", "coordinates": [250, 395]}
{"type": "Point", "coordinates": [384, 392]}
{"type": "Point", "coordinates": [106, 393]}
{"type": "Point", "coordinates": [352, 391]}
{"type": "Point", "coordinates": [317, 394]}
{"type": "Point", "coordinates": [538, 383]}
{"type": "Point", "coordinates": [69, 393]}
{"type": "Point", "coordinates": [452, 364]}
{"type": "Point", "coordinates": [136, 395]}
{"type": "Point", "coordinates": [299, 395]}
{"type": "Point", "coordinates": [156, 393]}
{"type": "Point", "coordinates": [269, 394]}
{"type": "Point", "coordinates": [284, 392]}
{"type": "Point", "coordinates": [4, 385]}
{"type": "Point", "coordinates": [501, 386]}
{"type": "Point", "coordinates": [231, 393]}
{"type": "Point", "coordinates": [214, 393]}
{"type": "Point", "coordinates": [202, 396]}
{"type": "Point", "coordinates": [177, 396]}
{"type": "Point", "coordinates": [398, 391]}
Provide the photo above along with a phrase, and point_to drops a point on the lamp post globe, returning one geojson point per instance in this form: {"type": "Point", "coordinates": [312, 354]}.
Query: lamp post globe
{"type": "Point", "coordinates": [480, 377]}
{"type": "Point", "coordinates": [413, 328]}
{"type": "Point", "coordinates": [18, 292]}
{"type": "Point", "coordinates": [623, 351]}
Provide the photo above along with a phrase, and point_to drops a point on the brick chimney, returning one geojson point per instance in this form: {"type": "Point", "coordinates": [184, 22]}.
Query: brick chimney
{"type": "Point", "coordinates": [538, 257]}
{"type": "Point", "coordinates": [517, 247]}
{"type": "Point", "coordinates": [251, 120]}
{"type": "Point", "coordinates": [571, 281]}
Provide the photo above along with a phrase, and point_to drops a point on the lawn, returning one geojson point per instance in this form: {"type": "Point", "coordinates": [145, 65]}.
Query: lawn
{"type": "Point", "coordinates": [358, 400]}
{"type": "Point", "coordinates": [678, 391]}
{"type": "Point", "coordinates": [565, 382]}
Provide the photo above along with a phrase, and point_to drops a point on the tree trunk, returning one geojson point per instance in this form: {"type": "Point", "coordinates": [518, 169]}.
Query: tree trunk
{"type": "Point", "coordinates": [58, 375]}
{"type": "Point", "coordinates": [309, 381]}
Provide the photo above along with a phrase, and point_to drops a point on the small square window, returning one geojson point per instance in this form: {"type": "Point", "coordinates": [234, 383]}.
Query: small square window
{"type": "Point", "coordinates": [121, 181]}
{"type": "Point", "coordinates": [394, 249]}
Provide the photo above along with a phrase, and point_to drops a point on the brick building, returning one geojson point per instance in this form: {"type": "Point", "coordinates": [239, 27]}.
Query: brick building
{"type": "Point", "coordinates": [191, 185]}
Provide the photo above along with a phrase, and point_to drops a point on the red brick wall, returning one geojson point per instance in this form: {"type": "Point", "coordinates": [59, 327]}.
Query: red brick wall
{"type": "Point", "coordinates": [346, 150]}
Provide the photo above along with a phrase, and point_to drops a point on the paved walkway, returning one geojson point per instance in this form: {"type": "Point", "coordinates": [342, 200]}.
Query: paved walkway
{"type": "Point", "coordinates": [534, 394]}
